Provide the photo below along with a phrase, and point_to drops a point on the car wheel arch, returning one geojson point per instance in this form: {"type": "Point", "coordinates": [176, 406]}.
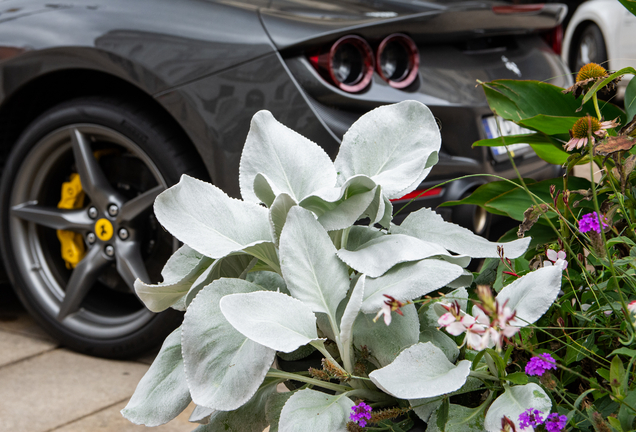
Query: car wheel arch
{"type": "Point", "coordinates": [68, 84]}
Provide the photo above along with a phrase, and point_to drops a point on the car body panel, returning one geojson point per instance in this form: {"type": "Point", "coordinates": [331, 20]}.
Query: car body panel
{"type": "Point", "coordinates": [295, 22]}
{"type": "Point", "coordinates": [130, 39]}
{"type": "Point", "coordinates": [618, 26]}
{"type": "Point", "coordinates": [215, 66]}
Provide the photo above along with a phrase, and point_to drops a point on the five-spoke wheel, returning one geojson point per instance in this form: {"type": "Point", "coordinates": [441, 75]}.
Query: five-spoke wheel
{"type": "Point", "coordinates": [122, 162]}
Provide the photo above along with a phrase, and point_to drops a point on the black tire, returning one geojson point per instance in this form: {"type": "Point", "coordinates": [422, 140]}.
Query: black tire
{"type": "Point", "coordinates": [590, 48]}
{"type": "Point", "coordinates": [132, 155]}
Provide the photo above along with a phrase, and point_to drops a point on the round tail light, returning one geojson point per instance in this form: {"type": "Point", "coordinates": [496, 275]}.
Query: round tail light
{"type": "Point", "coordinates": [348, 64]}
{"type": "Point", "coordinates": [398, 60]}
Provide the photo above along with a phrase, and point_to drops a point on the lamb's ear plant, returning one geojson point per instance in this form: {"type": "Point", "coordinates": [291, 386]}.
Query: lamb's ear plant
{"type": "Point", "coordinates": [309, 261]}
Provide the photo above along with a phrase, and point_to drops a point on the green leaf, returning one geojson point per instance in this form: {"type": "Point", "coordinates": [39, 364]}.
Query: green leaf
{"type": "Point", "coordinates": [515, 202]}
{"type": "Point", "coordinates": [460, 419]}
{"type": "Point", "coordinates": [314, 411]}
{"type": "Point", "coordinates": [421, 371]}
{"type": "Point", "coordinates": [287, 160]}
{"type": "Point", "coordinates": [427, 225]}
{"type": "Point", "coordinates": [603, 373]}
{"type": "Point", "coordinates": [274, 406]}
{"type": "Point", "coordinates": [630, 98]}
{"type": "Point", "coordinates": [528, 138]}
{"type": "Point", "coordinates": [617, 375]}
{"type": "Point", "coordinates": [547, 148]}
{"type": "Point", "coordinates": [615, 423]}
{"type": "Point", "coordinates": [313, 272]}
{"type": "Point", "coordinates": [248, 418]}
{"type": "Point", "coordinates": [550, 125]}
{"type": "Point", "coordinates": [551, 153]}
{"type": "Point", "coordinates": [520, 100]}
{"type": "Point", "coordinates": [442, 415]}
{"type": "Point", "coordinates": [223, 372]}
{"type": "Point", "coordinates": [426, 407]}
{"type": "Point", "coordinates": [396, 145]}
{"type": "Point", "coordinates": [162, 394]}
{"type": "Point", "coordinates": [206, 219]}
{"type": "Point", "coordinates": [600, 84]}
{"type": "Point", "coordinates": [408, 281]}
{"type": "Point", "coordinates": [517, 378]}
{"type": "Point", "coordinates": [624, 351]}
{"type": "Point", "coordinates": [181, 271]}
{"type": "Point", "coordinates": [484, 193]}
{"type": "Point", "coordinates": [386, 342]}
{"type": "Point", "coordinates": [272, 319]}
{"type": "Point", "coordinates": [514, 401]}
{"type": "Point", "coordinates": [626, 415]}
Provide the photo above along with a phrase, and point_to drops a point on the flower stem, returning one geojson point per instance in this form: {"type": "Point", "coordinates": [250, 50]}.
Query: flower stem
{"type": "Point", "coordinates": [598, 111]}
{"type": "Point", "coordinates": [275, 373]}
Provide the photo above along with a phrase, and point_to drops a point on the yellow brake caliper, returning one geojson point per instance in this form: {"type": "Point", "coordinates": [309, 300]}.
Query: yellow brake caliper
{"type": "Point", "coordinates": [73, 249]}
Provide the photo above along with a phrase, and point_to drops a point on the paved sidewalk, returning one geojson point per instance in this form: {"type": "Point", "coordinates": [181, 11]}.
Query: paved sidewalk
{"type": "Point", "coordinates": [45, 388]}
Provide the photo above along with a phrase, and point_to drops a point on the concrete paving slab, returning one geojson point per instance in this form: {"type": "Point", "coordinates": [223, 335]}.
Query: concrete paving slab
{"type": "Point", "coordinates": [58, 387]}
{"type": "Point", "coordinates": [111, 420]}
{"type": "Point", "coordinates": [15, 319]}
{"type": "Point", "coordinates": [17, 347]}
{"type": "Point", "coordinates": [23, 324]}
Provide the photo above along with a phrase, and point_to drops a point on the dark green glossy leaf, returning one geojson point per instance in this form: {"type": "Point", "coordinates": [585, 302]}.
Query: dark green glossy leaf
{"type": "Point", "coordinates": [517, 378]}
{"type": "Point", "coordinates": [551, 125]}
{"type": "Point", "coordinates": [600, 84]}
{"type": "Point", "coordinates": [626, 414]}
{"type": "Point", "coordinates": [624, 351]}
{"type": "Point", "coordinates": [529, 138]}
{"type": "Point", "coordinates": [520, 100]}
{"type": "Point", "coordinates": [547, 148]}
{"type": "Point", "coordinates": [630, 99]}
{"type": "Point", "coordinates": [517, 201]}
{"type": "Point", "coordinates": [540, 234]}
{"type": "Point", "coordinates": [442, 415]}
{"type": "Point", "coordinates": [485, 193]}
{"type": "Point", "coordinates": [551, 152]}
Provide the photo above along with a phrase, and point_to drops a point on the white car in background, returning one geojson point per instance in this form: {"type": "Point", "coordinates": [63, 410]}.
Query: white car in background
{"type": "Point", "coordinates": [603, 32]}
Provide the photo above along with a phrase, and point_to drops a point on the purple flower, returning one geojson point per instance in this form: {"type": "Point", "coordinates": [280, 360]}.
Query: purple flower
{"type": "Point", "coordinates": [530, 418]}
{"type": "Point", "coordinates": [360, 412]}
{"type": "Point", "coordinates": [589, 222]}
{"type": "Point", "coordinates": [538, 365]}
{"type": "Point", "coordinates": [555, 422]}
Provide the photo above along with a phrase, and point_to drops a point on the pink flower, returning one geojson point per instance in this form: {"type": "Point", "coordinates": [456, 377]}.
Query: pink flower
{"type": "Point", "coordinates": [632, 306]}
{"type": "Point", "coordinates": [556, 259]}
{"type": "Point", "coordinates": [585, 127]}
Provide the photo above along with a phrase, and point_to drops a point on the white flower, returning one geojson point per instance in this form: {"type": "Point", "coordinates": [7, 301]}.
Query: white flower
{"type": "Point", "coordinates": [556, 258]}
{"type": "Point", "coordinates": [632, 306]}
{"type": "Point", "coordinates": [386, 311]}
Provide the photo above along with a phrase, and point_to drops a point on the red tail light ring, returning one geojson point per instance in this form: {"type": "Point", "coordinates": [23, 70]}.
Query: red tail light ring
{"type": "Point", "coordinates": [348, 64]}
{"type": "Point", "coordinates": [398, 60]}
